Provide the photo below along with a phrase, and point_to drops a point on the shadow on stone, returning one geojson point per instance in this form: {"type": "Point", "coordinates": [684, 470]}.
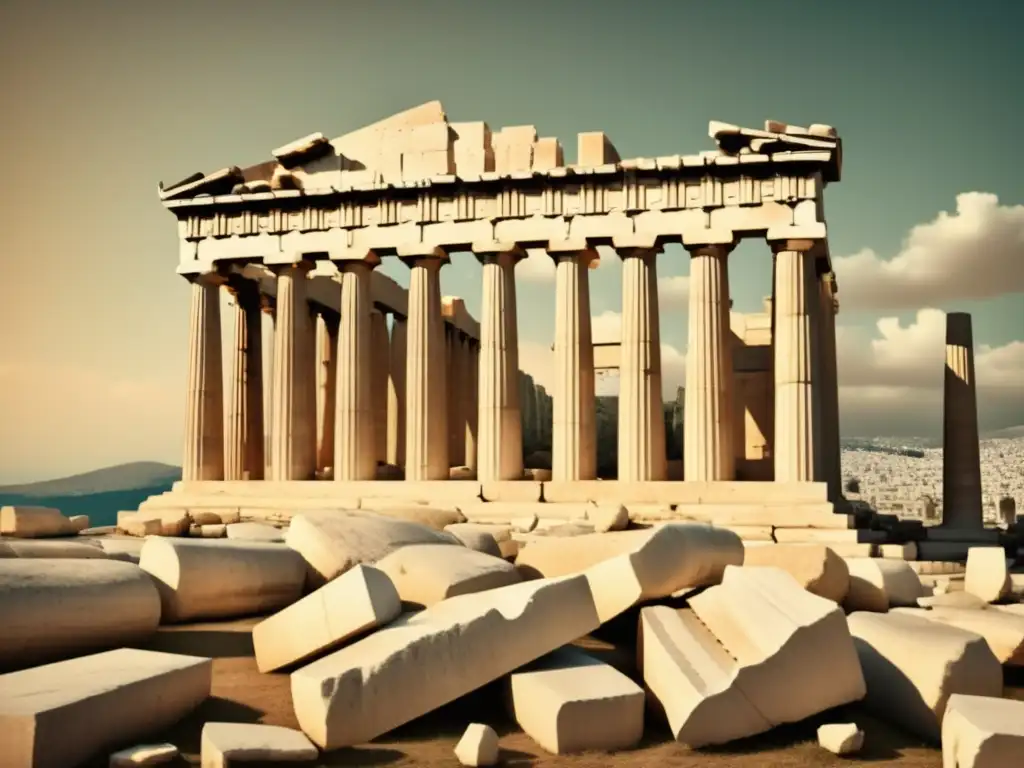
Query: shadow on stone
{"type": "Point", "coordinates": [214, 644]}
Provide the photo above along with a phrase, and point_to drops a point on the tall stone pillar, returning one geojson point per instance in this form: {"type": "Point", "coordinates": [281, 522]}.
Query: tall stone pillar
{"type": "Point", "coordinates": [426, 396]}
{"type": "Point", "coordinates": [268, 304]}
{"type": "Point", "coordinates": [354, 442]}
{"type": "Point", "coordinates": [396, 392]}
{"type": "Point", "coordinates": [472, 409]}
{"type": "Point", "coordinates": [798, 439]}
{"type": "Point", "coordinates": [961, 460]}
{"type": "Point", "coordinates": [380, 355]}
{"type": "Point", "coordinates": [293, 432]}
{"type": "Point", "coordinates": [204, 404]}
{"type": "Point", "coordinates": [641, 420]}
{"type": "Point", "coordinates": [709, 453]}
{"type": "Point", "coordinates": [457, 404]}
{"type": "Point", "coordinates": [831, 450]}
{"type": "Point", "coordinates": [574, 420]}
{"type": "Point", "coordinates": [327, 323]}
{"type": "Point", "coordinates": [500, 435]}
{"type": "Point", "coordinates": [243, 449]}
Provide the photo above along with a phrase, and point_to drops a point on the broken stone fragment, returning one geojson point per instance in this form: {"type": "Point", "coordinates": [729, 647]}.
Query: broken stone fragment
{"type": "Point", "coordinates": [425, 574]}
{"type": "Point", "coordinates": [225, 743]}
{"type": "Point", "coordinates": [478, 746]}
{"type": "Point", "coordinates": [987, 576]}
{"type": "Point", "coordinates": [360, 599]}
{"type": "Point", "coordinates": [79, 522]}
{"type": "Point", "coordinates": [815, 567]}
{"type": "Point", "coordinates": [569, 702]}
{"type": "Point", "coordinates": [431, 517]}
{"type": "Point", "coordinates": [982, 732]}
{"type": "Point", "coordinates": [877, 584]}
{"type": "Point", "coordinates": [1003, 632]}
{"type": "Point", "coordinates": [254, 532]}
{"type": "Point", "coordinates": [54, 549]}
{"type": "Point", "coordinates": [34, 522]}
{"type": "Point", "coordinates": [841, 738]}
{"type": "Point", "coordinates": [144, 754]}
{"type": "Point", "coordinates": [474, 537]}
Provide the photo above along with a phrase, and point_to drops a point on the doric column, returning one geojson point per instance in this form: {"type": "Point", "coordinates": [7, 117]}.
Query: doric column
{"type": "Point", "coordinates": [243, 448]}
{"type": "Point", "coordinates": [268, 305]}
{"type": "Point", "coordinates": [204, 405]}
{"type": "Point", "coordinates": [396, 392]}
{"type": "Point", "coordinates": [831, 455]}
{"type": "Point", "coordinates": [426, 397]}
{"type": "Point", "coordinates": [961, 461]}
{"type": "Point", "coordinates": [456, 396]}
{"type": "Point", "coordinates": [293, 432]}
{"type": "Point", "coordinates": [354, 442]}
{"type": "Point", "coordinates": [708, 425]}
{"type": "Point", "coordinates": [574, 436]}
{"type": "Point", "coordinates": [500, 430]}
{"type": "Point", "coordinates": [327, 323]}
{"type": "Point", "coordinates": [380, 355]}
{"type": "Point", "coordinates": [641, 418]}
{"type": "Point", "coordinates": [797, 372]}
{"type": "Point", "coordinates": [472, 409]}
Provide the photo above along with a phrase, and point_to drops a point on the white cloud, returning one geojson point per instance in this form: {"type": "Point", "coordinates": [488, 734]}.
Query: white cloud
{"type": "Point", "coordinates": [673, 292]}
{"type": "Point", "coordinates": [537, 267]}
{"type": "Point", "coordinates": [975, 253]}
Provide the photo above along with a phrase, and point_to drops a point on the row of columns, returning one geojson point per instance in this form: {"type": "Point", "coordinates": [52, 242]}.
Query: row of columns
{"type": "Point", "coordinates": [441, 376]}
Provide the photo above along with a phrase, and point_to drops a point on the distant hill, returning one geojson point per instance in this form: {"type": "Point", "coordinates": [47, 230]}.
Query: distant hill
{"type": "Point", "coordinates": [1008, 432]}
{"type": "Point", "coordinates": [100, 494]}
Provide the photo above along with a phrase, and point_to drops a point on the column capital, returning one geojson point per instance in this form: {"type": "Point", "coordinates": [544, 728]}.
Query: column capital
{"type": "Point", "coordinates": [354, 256]}
{"type": "Point", "coordinates": [214, 278]}
{"type": "Point", "coordinates": [300, 263]}
{"type": "Point", "coordinates": [714, 250]}
{"type": "Point", "coordinates": [574, 248]}
{"type": "Point", "coordinates": [419, 254]}
{"type": "Point", "coordinates": [698, 238]}
{"type": "Point", "coordinates": [498, 251]}
{"type": "Point", "coordinates": [796, 246]}
{"type": "Point", "coordinates": [357, 265]}
{"type": "Point", "coordinates": [636, 245]}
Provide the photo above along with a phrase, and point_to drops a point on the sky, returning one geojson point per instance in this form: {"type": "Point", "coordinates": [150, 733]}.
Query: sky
{"type": "Point", "coordinates": [104, 99]}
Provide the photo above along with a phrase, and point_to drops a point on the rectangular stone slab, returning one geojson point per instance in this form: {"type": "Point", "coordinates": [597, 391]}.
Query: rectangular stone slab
{"type": "Point", "coordinates": [427, 659]}
{"type": "Point", "coordinates": [60, 715]}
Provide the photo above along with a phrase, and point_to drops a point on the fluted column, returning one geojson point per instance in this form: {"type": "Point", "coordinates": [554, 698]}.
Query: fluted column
{"type": "Point", "coordinates": [204, 405]}
{"type": "Point", "coordinates": [961, 460]}
{"type": "Point", "coordinates": [641, 419]}
{"type": "Point", "coordinates": [472, 409]}
{"type": "Point", "coordinates": [426, 397]}
{"type": "Point", "coordinates": [380, 356]}
{"type": "Point", "coordinates": [327, 323]}
{"type": "Point", "coordinates": [831, 450]}
{"type": "Point", "coordinates": [354, 441]}
{"type": "Point", "coordinates": [243, 447]}
{"type": "Point", "coordinates": [574, 431]}
{"type": "Point", "coordinates": [457, 404]}
{"type": "Point", "coordinates": [797, 372]}
{"type": "Point", "coordinates": [268, 305]}
{"type": "Point", "coordinates": [709, 455]}
{"type": "Point", "coordinates": [500, 430]}
{"type": "Point", "coordinates": [293, 432]}
{"type": "Point", "coordinates": [396, 392]}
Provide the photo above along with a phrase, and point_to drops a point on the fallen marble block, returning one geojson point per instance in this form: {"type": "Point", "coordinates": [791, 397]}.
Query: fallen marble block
{"type": "Point", "coordinates": [472, 537]}
{"type": "Point", "coordinates": [431, 517]}
{"type": "Point", "coordinates": [163, 522]}
{"type": "Point", "coordinates": [254, 532]}
{"type": "Point", "coordinates": [51, 609]}
{"type": "Point", "coordinates": [478, 746]}
{"type": "Point", "coordinates": [425, 574]}
{"type": "Point", "coordinates": [841, 738]}
{"type": "Point", "coordinates": [79, 522]}
{"type": "Point", "coordinates": [982, 732]}
{"type": "Point", "coordinates": [1003, 632]}
{"type": "Point", "coordinates": [425, 660]}
{"type": "Point", "coordinates": [221, 579]}
{"type": "Point", "coordinates": [987, 576]}
{"type": "Point", "coordinates": [755, 652]}
{"type": "Point", "coordinates": [912, 666]}
{"type": "Point", "coordinates": [359, 600]}
{"type": "Point", "coordinates": [209, 516]}
{"type": "Point", "coordinates": [60, 715]}
{"type": "Point", "coordinates": [568, 702]}
{"type": "Point", "coordinates": [34, 523]}
{"type": "Point", "coordinates": [952, 600]}
{"type": "Point", "coordinates": [143, 754]}
{"type": "Point", "coordinates": [52, 549]}
{"type": "Point", "coordinates": [124, 548]}
{"type": "Point", "coordinates": [815, 567]}
{"type": "Point", "coordinates": [333, 542]}
{"type": "Point", "coordinates": [223, 744]}
{"type": "Point", "coordinates": [498, 531]}
{"type": "Point", "coordinates": [669, 558]}
{"type": "Point", "coordinates": [877, 584]}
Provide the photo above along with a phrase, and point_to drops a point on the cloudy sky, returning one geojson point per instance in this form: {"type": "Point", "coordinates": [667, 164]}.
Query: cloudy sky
{"type": "Point", "coordinates": [104, 99]}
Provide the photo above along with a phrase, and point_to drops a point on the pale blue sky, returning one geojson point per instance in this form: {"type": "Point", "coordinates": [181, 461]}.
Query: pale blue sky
{"type": "Point", "coordinates": [103, 99]}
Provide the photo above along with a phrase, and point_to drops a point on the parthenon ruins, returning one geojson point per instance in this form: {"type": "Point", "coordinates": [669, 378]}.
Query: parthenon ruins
{"type": "Point", "coordinates": [430, 411]}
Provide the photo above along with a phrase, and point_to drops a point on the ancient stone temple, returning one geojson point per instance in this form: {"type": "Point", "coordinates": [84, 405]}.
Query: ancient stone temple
{"type": "Point", "coordinates": [426, 406]}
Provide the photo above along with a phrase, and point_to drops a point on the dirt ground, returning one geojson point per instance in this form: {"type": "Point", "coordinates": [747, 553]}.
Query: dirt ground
{"type": "Point", "coordinates": [241, 694]}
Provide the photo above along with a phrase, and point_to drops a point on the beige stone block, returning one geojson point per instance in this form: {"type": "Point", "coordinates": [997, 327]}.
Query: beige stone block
{"type": "Point", "coordinates": [827, 536]}
{"type": "Point", "coordinates": [560, 528]}
{"type": "Point", "coordinates": [51, 609]}
{"type": "Point", "coordinates": [60, 715]}
{"type": "Point", "coordinates": [595, 148]}
{"type": "Point", "coordinates": [906, 551]}
{"type": "Point", "coordinates": [214, 515]}
{"type": "Point", "coordinates": [359, 600]}
{"type": "Point", "coordinates": [333, 542]}
{"type": "Point", "coordinates": [173, 522]}
{"type": "Point", "coordinates": [473, 536]}
{"type": "Point", "coordinates": [987, 575]}
{"type": "Point", "coordinates": [815, 567]}
{"type": "Point", "coordinates": [424, 660]}
{"type": "Point", "coordinates": [499, 531]}
{"type": "Point", "coordinates": [912, 666]}
{"type": "Point", "coordinates": [144, 754]}
{"type": "Point", "coordinates": [142, 527]}
{"type": "Point", "coordinates": [221, 579]}
{"type": "Point", "coordinates": [570, 702]}
{"type": "Point", "coordinates": [841, 738]}
{"type": "Point", "coordinates": [254, 532]}
{"type": "Point", "coordinates": [53, 549]}
{"type": "Point", "coordinates": [510, 549]}
{"type": "Point", "coordinates": [424, 165]}
{"type": "Point", "coordinates": [224, 744]}
{"type": "Point", "coordinates": [431, 517]}
{"type": "Point", "coordinates": [750, 532]}
{"type": "Point", "coordinates": [520, 491]}
{"type": "Point", "coordinates": [79, 522]}
{"type": "Point", "coordinates": [1003, 632]}
{"type": "Point", "coordinates": [547, 154]}
{"type": "Point", "coordinates": [478, 746]}
{"type": "Point", "coordinates": [472, 137]}
{"type": "Point", "coordinates": [952, 600]}
{"type": "Point", "coordinates": [433, 137]}
{"type": "Point", "coordinates": [34, 522]}
{"type": "Point", "coordinates": [608, 517]}
{"type": "Point", "coordinates": [215, 531]}
{"type": "Point", "coordinates": [425, 574]}
{"type": "Point", "coordinates": [126, 548]}
{"type": "Point", "coordinates": [877, 585]}
{"type": "Point", "coordinates": [755, 652]}
{"type": "Point", "coordinates": [982, 732]}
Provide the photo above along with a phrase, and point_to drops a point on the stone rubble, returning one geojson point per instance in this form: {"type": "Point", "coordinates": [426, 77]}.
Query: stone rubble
{"type": "Point", "coordinates": [224, 744]}
{"type": "Point", "coordinates": [987, 576]}
{"type": "Point", "coordinates": [841, 738]}
{"type": "Point", "coordinates": [143, 754]}
{"type": "Point", "coordinates": [982, 732]}
{"type": "Point", "coordinates": [478, 746]}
